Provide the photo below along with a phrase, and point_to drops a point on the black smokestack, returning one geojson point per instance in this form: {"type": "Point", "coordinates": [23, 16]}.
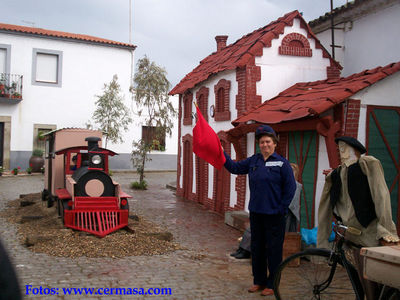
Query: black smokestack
{"type": "Point", "coordinates": [93, 143]}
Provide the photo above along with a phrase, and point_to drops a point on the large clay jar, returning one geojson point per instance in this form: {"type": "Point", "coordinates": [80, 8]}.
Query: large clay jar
{"type": "Point", "coordinates": [36, 163]}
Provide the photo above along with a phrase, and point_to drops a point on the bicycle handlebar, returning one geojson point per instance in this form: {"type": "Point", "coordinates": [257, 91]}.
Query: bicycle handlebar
{"type": "Point", "coordinates": [351, 230]}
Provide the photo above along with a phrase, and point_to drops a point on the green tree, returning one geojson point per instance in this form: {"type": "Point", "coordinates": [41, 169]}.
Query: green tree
{"type": "Point", "coordinates": [150, 93]}
{"type": "Point", "coordinates": [111, 114]}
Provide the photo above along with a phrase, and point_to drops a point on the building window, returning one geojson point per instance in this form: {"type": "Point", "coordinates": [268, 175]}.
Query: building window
{"type": "Point", "coordinates": [153, 138]}
{"type": "Point", "coordinates": [47, 67]}
{"type": "Point", "coordinates": [4, 60]}
{"type": "Point", "coordinates": [221, 91]}
{"type": "Point", "coordinates": [187, 108]}
{"type": "Point", "coordinates": [202, 101]}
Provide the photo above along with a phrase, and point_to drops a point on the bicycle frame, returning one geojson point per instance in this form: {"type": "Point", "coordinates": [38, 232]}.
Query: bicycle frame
{"type": "Point", "coordinates": [338, 256]}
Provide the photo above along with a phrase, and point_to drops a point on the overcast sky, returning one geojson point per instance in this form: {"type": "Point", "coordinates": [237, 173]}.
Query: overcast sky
{"type": "Point", "coordinates": [176, 34]}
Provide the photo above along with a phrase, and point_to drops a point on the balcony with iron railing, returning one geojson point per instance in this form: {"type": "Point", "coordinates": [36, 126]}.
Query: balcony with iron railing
{"type": "Point", "coordinates": [10, 88]}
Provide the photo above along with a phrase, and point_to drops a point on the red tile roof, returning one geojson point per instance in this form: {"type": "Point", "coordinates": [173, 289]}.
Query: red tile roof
{"type": "Point", "coordinates": [62, 35]}
{"type": "Point", "coordinates": [242, 51]}
{"type": "Point", "coordinates": [308, 99]}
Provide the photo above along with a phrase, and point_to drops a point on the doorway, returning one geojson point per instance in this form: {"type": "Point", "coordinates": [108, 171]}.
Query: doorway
{"type": "Point", "coordinates": [1, 143]}
{"type": "Point", "coordinates": [303, 151]}
{"type": "Point", "coordinates": [383, 142]}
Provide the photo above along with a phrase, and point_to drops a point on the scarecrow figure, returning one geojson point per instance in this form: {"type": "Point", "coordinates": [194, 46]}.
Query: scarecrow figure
{"type": "Point", "coordinates": [356, 194]}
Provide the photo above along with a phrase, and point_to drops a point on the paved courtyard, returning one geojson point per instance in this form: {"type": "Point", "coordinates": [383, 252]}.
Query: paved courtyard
{"type": "Point", "coordinates": [203, 270]}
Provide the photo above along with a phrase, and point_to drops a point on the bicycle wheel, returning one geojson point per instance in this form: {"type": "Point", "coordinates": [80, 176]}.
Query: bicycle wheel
{"type": "Point", "coordinates": [308, 275]}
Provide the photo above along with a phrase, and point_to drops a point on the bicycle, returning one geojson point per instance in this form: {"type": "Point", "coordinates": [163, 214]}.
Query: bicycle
{"type": "Point", "coordinates": [326, 274]}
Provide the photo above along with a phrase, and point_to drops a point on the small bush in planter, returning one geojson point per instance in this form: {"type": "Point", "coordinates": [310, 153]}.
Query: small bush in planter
{"type": "Point", "coordinates": [139, 185]}
{"type": "Point", "coordinates": [29, 170]}
{"type": "Point", "coordinates": [37, 152]}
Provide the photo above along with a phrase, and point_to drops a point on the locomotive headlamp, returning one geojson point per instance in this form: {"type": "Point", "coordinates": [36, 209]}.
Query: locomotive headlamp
{"type": "Point", "coordinates": [96, 159]}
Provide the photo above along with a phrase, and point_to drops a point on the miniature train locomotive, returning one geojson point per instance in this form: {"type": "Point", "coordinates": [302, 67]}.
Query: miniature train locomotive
{"type": "Point", "coordinates": [87, 198]}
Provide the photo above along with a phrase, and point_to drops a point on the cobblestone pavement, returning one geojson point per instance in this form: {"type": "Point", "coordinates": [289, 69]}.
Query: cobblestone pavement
{"type": "Point", "coordinates": [203, 270]}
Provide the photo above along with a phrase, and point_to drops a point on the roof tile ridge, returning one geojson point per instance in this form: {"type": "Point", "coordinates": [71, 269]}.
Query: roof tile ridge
{"type": "Point", "coordinates": [58, 33]}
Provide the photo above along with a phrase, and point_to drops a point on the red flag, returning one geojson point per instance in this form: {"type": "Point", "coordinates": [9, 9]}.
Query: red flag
{"type": "Point", "coordinates": [206, 143]}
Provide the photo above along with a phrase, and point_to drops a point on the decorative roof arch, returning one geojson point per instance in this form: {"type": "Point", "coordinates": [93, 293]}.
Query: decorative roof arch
{"type": "Point", "coordinates": [295, 44]}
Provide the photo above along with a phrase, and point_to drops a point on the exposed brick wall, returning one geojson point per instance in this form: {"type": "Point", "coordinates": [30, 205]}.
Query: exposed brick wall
{"type": "Point", "coordinates": [241, 96]}
{"type": "Point", "coordinates": [295, 44]}
{"type": "Point", "coordinates": [247, 78]}
{"type": "Point", "coordinates": [187, 108]}
{"type": "Point", "coordinates": [221, 41]}
{"type": "Point", "coordinates": [352, 118]}
{"type": "Point", "coordinates": [332, 72]}
{"type": "Point", "coordinates": [253, 74]}
{"type": "Point", "coordinates": [222, 112]}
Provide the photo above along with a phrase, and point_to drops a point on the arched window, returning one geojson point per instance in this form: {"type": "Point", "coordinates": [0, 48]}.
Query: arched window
{"type": "Point", "coordinates": [187, 108]}
{"type": "Point", "coordinates": [221, 91]}
{"type": "Point", "coordinates": [220, 100]}
{"type": "Point", "coordinates": [202, 101]}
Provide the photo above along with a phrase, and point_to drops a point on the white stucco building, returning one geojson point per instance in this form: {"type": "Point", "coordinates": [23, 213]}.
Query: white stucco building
{"type": "Point", "coordinates": [366, 33]}
{"type": "Point", "coordinates": [58, 76]}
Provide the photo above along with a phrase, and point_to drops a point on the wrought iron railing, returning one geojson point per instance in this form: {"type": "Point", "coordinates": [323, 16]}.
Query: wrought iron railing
{"type": "Point", "coordinates": [10, 86]}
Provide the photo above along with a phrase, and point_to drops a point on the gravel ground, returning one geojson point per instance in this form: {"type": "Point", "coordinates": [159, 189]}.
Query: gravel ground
{"type": "Point", "coordinates": [41, 230]}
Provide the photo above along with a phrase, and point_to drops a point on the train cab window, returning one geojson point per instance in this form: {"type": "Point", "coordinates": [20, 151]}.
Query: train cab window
{"type": "Point", "coordinates": [73, 164]}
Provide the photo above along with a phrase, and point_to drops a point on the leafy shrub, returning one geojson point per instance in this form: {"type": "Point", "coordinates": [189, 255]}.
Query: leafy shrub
{"type": "Point", "coordinates": [37, 152]}
{"type": "Point", "coordinates": [139, 185]}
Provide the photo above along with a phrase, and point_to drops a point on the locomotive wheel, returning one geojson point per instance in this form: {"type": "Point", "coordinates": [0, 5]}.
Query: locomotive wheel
{"type": "Point", "coordinates": [64, 207]}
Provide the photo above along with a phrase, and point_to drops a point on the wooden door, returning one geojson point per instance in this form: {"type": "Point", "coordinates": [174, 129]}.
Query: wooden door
{"type": "Point", "coordinates": [383, 142]}
{"type": "Point", "coordinates": [303, 151]}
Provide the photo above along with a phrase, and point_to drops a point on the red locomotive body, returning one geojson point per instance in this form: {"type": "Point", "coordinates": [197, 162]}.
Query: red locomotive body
{"type": "Point", "coordinates": [88, 200]}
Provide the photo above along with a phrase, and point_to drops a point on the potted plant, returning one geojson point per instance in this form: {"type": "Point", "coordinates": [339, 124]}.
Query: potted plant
{"type": "Point", "coordinates": [29, 170]}
{"type": "Point", "coordinates": [36, 162]}
{"type": "Point", "coordinates": [1, 170]}
{"type": "Point", "coordinates": [16, 95]}
{"type": "Point", "coordinates": [2, 89]}
{"type": "Point", "coordinates": [15, 171]}
{"type": "Point", "coordinates": [2, 85]}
